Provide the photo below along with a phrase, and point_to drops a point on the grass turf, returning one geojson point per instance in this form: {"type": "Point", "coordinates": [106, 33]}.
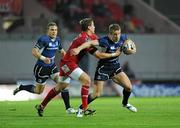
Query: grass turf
{"type": "Point", "coordinates": [161, 112]}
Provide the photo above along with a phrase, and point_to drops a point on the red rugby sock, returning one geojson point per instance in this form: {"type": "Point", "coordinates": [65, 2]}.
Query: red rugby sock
{"type": "Point", "coordinates": [84, 96]}
{"type": "Point", "coordinates": [52, 93]}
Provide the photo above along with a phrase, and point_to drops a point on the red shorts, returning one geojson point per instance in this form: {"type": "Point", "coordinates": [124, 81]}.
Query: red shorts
{"type": "Point", "coordinates": [66, 67]}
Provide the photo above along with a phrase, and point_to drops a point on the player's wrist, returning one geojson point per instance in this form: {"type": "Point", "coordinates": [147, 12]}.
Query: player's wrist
{"type": "Point", "coordinates": [42, 57]}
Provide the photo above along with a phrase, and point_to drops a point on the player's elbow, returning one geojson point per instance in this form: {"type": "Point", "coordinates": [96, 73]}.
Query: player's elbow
{"type": "Point", "coordinates": [98, 56]}
{"type": "Point", "coordinates": [34, 52]}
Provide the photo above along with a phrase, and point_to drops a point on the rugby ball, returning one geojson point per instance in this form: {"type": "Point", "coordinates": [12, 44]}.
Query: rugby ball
{"type": "Point", "coordinates": [129, 47]}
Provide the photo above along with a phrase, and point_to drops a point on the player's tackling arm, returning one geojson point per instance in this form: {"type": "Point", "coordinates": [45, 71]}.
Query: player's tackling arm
{"type": "Point", "coordinates": [85, 45]}
{"type": "Point", "coordinates": [62, 52]}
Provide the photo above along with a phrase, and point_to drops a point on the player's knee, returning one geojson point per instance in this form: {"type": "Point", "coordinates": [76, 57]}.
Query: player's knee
{"type": "Point", "coordinates": [60, 87]}
{"type": "Point", "coordinates": [57, 79]}
{"type": "Point", "coordinates": [97, 94]}
{"type": "Point", "coordinates": [87, 81]}
{"type": "Point", "coordinates": [128, 88]}
{"type": "Point", "coordinates": [39, 91]}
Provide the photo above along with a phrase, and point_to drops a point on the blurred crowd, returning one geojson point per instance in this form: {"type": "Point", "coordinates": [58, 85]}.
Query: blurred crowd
{"type": "Point", "coordinates": [11, 14]}
{"type": "Point", "coordinates": [104, 12]}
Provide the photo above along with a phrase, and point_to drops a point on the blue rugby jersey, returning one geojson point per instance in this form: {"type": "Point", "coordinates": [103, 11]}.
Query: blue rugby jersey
{"type": "Point", "coordinates": [109, 46]}
{"type": "Point", "coordinates": [48, 48]}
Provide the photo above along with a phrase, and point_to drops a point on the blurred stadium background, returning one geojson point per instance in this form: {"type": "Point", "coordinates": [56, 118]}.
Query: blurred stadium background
{"type": "Point", "coordinates": [154, 25]}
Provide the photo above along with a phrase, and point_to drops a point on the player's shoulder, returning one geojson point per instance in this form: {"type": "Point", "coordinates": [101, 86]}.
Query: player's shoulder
{"type": "Point", "coordinates": [123, 36]}
{"type": "Point", "coordinates": [58, 38]}
{"type": "Point", "coordinates": [94, 36]}
{"type": "Point", "coordinates": [83, 35]}
{"type": "Point", "coordinates": [104, 41]}
{"type": "Point", "coordinates": [104, 38]}
{"type": "Point", "coordinates": [43, 38]}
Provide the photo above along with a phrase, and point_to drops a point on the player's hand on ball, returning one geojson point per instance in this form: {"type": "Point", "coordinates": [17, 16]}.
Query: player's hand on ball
{"type": "Point", "coordinates": [129, 47]}
{"type": "Point", "coordinates": [118, 52]}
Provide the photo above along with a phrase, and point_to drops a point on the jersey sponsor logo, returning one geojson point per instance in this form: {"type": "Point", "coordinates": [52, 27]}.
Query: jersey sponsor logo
{"type": "Point", "coordinates": [112, 47]}
{"type": "Point", "coordinates": [50, 44]}
{"type": "Point", "coordinates": [65, 68]}
{"type": "Point", "coordinates": [52, 48]}
{"type": "Point", "coordinates": [55, 44]}
{"type": "Point", "coordinates": [87, 39]}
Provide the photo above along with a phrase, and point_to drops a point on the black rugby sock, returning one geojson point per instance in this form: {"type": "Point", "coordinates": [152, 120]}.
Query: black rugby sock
{"type": "Point", "coordinates": [126, 95]}
{"type": "Point", "coordinates": [90, 99]}
{"type": "Point", "coordinates": [65, 97]}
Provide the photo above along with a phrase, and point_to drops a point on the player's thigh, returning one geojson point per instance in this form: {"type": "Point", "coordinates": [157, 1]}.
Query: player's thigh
{"type": "Point", "coordinates": [61, 86]}
{"type": "Point", "coordinates": [55, 77]}
{"type": "Point", "coordinates": [85, 79]}
{"type": "Point", "coordinates": [79, 74]}
{"type": "Point", "coordinates": [97, 88]}
{"type": "Point", "coordinates": [123, 80]}
{"type": "Point", "coordinates": [39, 88]}
{"type": "Point", "coordinates": [54, 73]}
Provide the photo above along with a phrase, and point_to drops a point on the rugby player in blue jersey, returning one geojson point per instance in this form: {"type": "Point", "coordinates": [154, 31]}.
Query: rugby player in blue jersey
{"type": "Point", "coordinates": [110, 68]}
{"type": "Point", "coordinates": [45, 68]}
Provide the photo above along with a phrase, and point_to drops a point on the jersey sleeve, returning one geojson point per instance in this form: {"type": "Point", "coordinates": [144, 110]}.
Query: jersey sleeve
{"type": "Point", "coordinates": [103, 42]}
{"type": "Point", "coordinates": [124, 37]}
{"type": "Point", "coordinates": [59, 45]}
{"type": "Point", "coordinates": [40, 43]}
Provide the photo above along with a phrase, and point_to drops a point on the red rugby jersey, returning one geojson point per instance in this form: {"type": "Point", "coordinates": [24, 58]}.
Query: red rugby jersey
{"type": "Point", "coordinates": [80, 39]}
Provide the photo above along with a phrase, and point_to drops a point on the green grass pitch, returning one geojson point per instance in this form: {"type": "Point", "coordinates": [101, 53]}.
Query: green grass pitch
{"type": "Point", "coordinates": [163, 112]}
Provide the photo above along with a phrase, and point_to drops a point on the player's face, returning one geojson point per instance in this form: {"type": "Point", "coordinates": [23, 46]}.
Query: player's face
{"type": "Point", "coordinates": [92, 28]}
{"type": "Point", "coordinates": [52, 31]}
{"type": "Point", "coordinates": [115, 35]}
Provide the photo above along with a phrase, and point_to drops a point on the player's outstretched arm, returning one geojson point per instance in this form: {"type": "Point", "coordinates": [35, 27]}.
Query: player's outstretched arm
{"type": "Point", "coordinates": [85, 45]}
{"type": "Point", "coordinates": [62, 52]}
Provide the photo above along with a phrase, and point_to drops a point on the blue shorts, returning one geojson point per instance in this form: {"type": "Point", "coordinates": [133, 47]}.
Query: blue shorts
{"type": "Point", "coordinates": [107, 71]}
{"type": "Point", "coordinates": [42, 73]}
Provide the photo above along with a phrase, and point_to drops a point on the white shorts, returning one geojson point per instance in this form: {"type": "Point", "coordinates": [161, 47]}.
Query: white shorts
{"type": "Point", "coordinates": [75, 74]}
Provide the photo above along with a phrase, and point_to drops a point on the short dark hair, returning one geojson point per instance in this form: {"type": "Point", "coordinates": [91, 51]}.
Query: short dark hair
{"type": "Point", "coordinates": [114, 27]}
{"type": "Point", "coordinates": [51, 24]}
{"type": "Point", "coordinates": [85, 23]}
